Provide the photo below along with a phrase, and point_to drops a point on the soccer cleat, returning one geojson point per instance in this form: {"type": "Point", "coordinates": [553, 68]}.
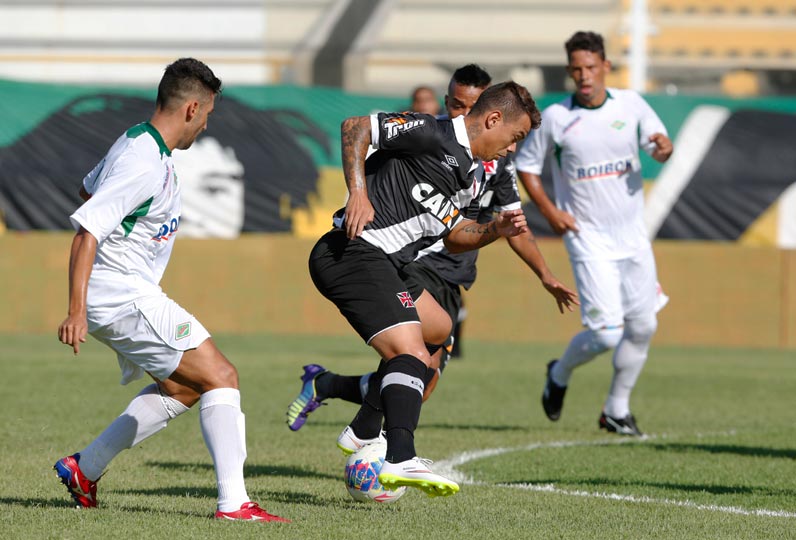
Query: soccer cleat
{"type": "Point", "coordinates": [250, 511]}
{"type": "Point", "coordinates": [553, 395]}
{"type": "Point", "coordinates": [82, 490]}
{"type": "Point", "coordinates": [622, 426]}
{"type": "Point", "coordinates": [416, 473]}
{"type": "Point", "coordinates": [349, 443]}
{"type": "Point", "coordinates": [307, 400]}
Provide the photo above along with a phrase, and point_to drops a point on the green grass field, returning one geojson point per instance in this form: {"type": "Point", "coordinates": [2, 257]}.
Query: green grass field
{"type": "Point", "coordinates": [720, 461]}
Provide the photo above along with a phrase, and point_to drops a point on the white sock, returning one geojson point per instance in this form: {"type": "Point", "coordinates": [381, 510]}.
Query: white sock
{"type": "Point", "coordinates": [147, 413]}
{"type": "Point", "coordinates": [629, 358]}
{"type": "Point", "coordinates": [584, 347]}
{"type": "Point", "coordinates": [224, 430]}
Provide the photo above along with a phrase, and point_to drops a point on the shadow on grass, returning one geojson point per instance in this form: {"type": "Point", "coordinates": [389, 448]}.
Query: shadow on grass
{"type": "Point", "coordinates": [263, 497]}
{"type": "Point", "coordinates": [59, 502]}
{"type": "Point", "coordinates": [609, 483]}
{"type": "Point", "coordinates": [438, 425]}
{"type": "Point", "coordinates": [753, 451]}
{"type": "Point", "coordinates": [248, 470]}
{"type": "Point", "coordinates": [472, 427]}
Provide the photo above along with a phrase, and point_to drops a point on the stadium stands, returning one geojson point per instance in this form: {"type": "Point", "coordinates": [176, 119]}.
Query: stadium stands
{"type": "Point", "coordinates": [390, 46]}
{"type": "Point", "coordinates": [423, 40]}
{"type": "Point", "coordinates": [128, 41]}
{"type": "Point", "coordinates": [711, 41]}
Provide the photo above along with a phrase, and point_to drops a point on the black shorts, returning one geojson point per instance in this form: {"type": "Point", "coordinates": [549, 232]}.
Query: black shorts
{"type": "Point", "coordinates": [422, 277]}
{"type": "Point", "coordinates": [361, 281]}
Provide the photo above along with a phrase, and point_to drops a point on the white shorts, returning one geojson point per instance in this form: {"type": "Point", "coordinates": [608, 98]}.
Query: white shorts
{"type": "Point", "coordinates": [612, 291]}
{"type": "Point", "coordinates": [150, 335]}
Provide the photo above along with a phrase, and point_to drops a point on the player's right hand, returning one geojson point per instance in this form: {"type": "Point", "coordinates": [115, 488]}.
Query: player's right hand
{"type": "Point", "coordinates": [562, 222]}
{"type": "Point", "coordinates": [73, 331]}
{"type": "Point", "coordinates": [358, 213]}
{"type": "Point", "coordinates": [511, 222]}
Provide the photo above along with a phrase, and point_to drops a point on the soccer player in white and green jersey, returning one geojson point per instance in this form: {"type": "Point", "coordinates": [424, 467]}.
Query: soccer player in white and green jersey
{"type": "Point", "coordinates": [593, 140]}
{"type": "Point", "coordinates": [125, 233]}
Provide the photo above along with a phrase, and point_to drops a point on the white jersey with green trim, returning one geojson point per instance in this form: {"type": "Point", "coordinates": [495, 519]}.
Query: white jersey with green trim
{"type": "Point", "coordinates": [134, 213]}
{"type": "Point", "coordinates": [596, 170]}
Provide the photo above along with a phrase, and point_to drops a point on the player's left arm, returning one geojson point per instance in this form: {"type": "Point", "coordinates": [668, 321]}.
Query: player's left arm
{"type": "Point", "coordinates": [652, 133]}
{"type": "Point", "coordinates": [663, 147]}
{"type": "Point", "coordinates": [524, 245]}
{"type": "Point", "coordinates": [470, 234]}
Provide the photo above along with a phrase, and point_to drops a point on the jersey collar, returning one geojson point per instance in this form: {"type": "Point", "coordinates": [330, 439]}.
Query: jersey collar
{"type": "Point", "coordinates": [576, 103]}
{"type": "Point", "coordinates": [460, 130]}
{"type": "Point", "coordinates": [149, 128]}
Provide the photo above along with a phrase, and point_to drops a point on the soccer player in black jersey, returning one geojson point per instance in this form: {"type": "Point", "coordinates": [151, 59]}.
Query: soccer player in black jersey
{"type": "Point", "coordinates": [417, 187]}
{"type": "Point", "coordinates": [440, 273]}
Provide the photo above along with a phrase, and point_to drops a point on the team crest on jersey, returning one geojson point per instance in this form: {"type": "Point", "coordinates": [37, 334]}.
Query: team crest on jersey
{"type": "Point", "coordinates": [183, 330]}
{"type": "Point", "coordinates": [618, 124]}
{"type": "Point", "coordinates": [490, 167]}
{"type": "Point", "coordinates": [398, 125]}
{"type": "Point", "coordinates": [437, 204]}
{"type": "Point", "coordinates": [406, 299]}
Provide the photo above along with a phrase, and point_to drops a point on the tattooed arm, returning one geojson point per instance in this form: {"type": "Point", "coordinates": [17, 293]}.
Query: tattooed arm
{"type": "Point", "coordinates": [355, 137]}
{"type": "Point", "coordinates": [469, 235]}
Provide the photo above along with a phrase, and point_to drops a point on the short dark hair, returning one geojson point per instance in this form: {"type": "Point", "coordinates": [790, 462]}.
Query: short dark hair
{"type": "Point", "coordinates": [511, 98]}
{"type": "Point", "coordinates": [183, 78]}
{"type": "Point", "coordinates": [585, 41]}
{"type": "Point", "coordinates": [471, 75]}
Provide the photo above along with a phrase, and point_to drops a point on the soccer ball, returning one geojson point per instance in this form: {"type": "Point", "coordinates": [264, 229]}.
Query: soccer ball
{"type": "Point", "coordinates": [362, 475]}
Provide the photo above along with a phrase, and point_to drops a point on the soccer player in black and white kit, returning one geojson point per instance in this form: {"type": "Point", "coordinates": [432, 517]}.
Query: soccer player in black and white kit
{"type": "Point", "coordinates": [439, 272]}
{"type": "Point", "coordinates": [418, 187]}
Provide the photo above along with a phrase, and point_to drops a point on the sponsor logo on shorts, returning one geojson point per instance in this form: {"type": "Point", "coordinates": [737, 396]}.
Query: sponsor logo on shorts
{"type": "Point", "coordinates": [451, 160]}
{"type": "Point", "coordinates": [406, 299]}
{"type": "Point", "coordinates": [183, 330]}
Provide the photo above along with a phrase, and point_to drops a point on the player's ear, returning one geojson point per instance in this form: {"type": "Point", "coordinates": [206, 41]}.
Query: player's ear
{"type": "Point", "coordinates": [607, 65]}
{"type": "Point", "coordinates": [191, 110]}
{"type": "Point", "coordinates": [493, 119]}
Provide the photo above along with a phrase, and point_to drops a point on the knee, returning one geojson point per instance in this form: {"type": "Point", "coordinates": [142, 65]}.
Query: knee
{"type": "Point", "coordinates": [437, 333]}
{"type": "Point", "coordinates": [641, 330]}
{"type": "Point", "coordinates": [606, 338]}
{"type": "Point", "coordinates": [226, 375]}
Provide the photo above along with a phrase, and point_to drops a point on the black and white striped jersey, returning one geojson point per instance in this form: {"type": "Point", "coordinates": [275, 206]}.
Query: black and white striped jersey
{"type": "Point", "coordinates": [499, 193]}
{"type": "Point", "coordinates": [420, 181]}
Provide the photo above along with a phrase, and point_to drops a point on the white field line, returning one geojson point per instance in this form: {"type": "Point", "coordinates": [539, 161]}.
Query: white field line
{"type": "Point", "coordinates": [448, 468]}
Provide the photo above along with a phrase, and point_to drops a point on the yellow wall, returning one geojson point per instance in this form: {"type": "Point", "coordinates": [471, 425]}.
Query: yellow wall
{"type": "Point", "coordinates": [721, 293]}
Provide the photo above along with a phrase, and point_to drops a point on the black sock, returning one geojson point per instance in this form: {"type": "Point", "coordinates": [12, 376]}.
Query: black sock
{"type": "Point", "coordinates": [429, 375]}
{"type": "Point", "coordinates": [331, 385]}
{"type": "Point", "coordinates": [402, 398]}
{"type": "Point", "coordinates": [367, 422]}
{"type": "Point", "coordinates": [432, 348]}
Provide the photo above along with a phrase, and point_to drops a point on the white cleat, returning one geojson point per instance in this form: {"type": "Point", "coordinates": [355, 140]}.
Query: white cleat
{"type": "Point", "coordinates": [349, 443]}
{"type": "Point", "coordinates": [416, 473]}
